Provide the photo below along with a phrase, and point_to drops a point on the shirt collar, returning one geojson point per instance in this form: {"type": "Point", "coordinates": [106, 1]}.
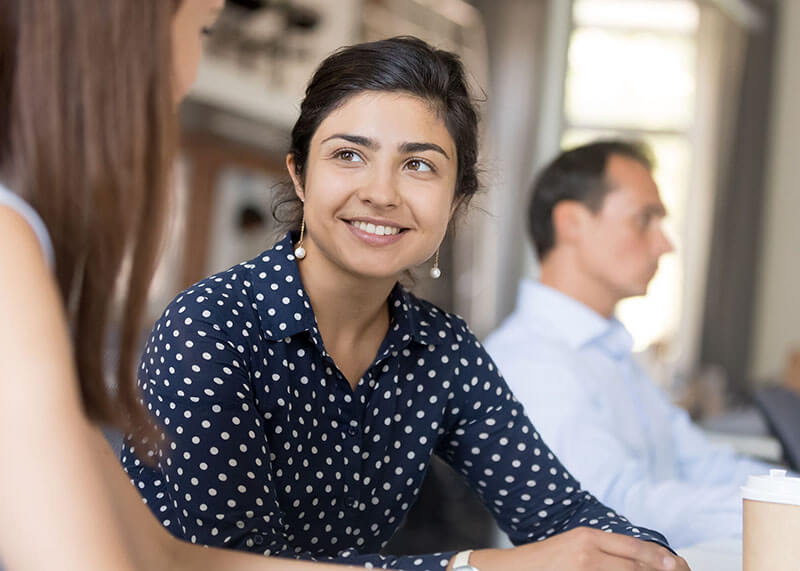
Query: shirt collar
{"type": "Point", "coordinates": [279, 296]}
{"type": "Point", "coordinates": [285, 309]}
{"type": "Point", "coordinates": [570, 320]}
{"type": "Point", "coordinates": [415, 318]}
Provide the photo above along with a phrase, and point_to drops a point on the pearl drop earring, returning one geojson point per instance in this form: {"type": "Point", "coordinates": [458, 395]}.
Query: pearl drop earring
{"type": "Point", "coordinates": [300, 252]}
{"type": "Point", "coordinates": [436, 273]}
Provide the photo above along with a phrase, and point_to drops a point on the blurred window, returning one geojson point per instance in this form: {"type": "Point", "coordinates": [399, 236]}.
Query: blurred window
{"type": "Point", "coordinates": [632, 73]}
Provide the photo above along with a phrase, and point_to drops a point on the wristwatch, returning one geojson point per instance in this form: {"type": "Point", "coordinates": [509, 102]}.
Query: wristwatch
{"type": "Point", "coordinates": [461, 562]}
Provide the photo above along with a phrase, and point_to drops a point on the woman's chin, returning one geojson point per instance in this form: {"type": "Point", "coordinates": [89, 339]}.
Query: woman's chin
{"type": "Point", "coordinates": [378, 275]}
{"type": "Point", "coordinates": [374, 272]}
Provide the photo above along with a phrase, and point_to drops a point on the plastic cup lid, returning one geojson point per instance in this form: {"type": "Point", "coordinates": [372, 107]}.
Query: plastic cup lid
{"type": "Point", "coordinates": [776, 487]}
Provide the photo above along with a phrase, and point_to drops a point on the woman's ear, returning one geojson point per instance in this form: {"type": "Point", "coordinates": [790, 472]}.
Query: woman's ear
{"type": "Point", "coordinates": [456, 203]}
{"type": "Point", "coordinates": [296, 181]}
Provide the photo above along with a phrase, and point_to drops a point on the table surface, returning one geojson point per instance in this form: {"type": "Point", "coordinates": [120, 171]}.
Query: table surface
{"type": "Point", "coordinates": [717, 555]}
{"type": "Point", "coordinates": [747, 432]}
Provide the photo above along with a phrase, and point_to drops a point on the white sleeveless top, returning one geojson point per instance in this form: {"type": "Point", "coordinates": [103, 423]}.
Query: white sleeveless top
{"type": "Point", "coordinates": [13, 201]}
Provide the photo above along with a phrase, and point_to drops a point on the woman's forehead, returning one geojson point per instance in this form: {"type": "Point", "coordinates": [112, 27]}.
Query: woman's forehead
{"type": "Point", "coordinates": [388, 117]}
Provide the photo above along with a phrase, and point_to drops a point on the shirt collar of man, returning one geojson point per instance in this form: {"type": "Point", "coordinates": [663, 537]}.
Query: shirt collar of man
{"type": "Point", "coordinates": [283, 306]}
{"type": "Point", "coordinates": [571, 321]}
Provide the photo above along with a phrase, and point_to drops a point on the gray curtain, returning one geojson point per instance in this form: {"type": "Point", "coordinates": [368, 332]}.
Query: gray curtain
{"type": "Point", "coordinates": [730, 295]}
{"type": "Point", "coordinates": [517, 37]}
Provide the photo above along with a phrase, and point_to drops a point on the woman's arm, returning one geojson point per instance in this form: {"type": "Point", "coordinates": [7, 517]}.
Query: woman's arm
{"type": "Point", "coordinates": [492, 443]}
{"type": "Point", "coordinates": [54, 510]}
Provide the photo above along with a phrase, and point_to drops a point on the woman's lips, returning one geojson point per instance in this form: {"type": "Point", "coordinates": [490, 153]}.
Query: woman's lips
{"type": "Point", "coordinates": [375, 234]}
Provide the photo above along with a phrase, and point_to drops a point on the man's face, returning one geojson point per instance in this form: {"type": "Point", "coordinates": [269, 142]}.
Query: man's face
{"type": "Point", "coordinates": [618, 247]}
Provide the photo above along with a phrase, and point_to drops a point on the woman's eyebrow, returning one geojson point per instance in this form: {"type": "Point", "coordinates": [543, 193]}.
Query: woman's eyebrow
{"type": "Point", "coordinates": [370, 144]}
{"type": "Point", "coordinates": [421, 147]}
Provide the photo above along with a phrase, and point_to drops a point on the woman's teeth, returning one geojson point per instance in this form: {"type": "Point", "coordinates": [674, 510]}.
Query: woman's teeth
{"type": "Point", "coordinates": [377, 230]}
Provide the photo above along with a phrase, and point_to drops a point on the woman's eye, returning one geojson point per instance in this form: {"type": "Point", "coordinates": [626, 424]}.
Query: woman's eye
{"type": "Point", "coordinates": [419, 166]}
{"type": "Point", "coordinates": [349, 156]}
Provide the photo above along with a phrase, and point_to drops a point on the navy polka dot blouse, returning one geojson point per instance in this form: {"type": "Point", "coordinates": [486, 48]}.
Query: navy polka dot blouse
{"type": "Point", "coordinates": [269, 450]}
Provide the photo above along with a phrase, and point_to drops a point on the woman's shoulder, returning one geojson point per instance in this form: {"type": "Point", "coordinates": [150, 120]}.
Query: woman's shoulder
{"type": "Point", "coordinates": [21, 212]}
{"type": "Point", "coordinates": [219, 289]}
{"type": "Point", "coordinates": [430, 322]}
{"type": "Point", "coordinates": [24, 267]}
{"type": "Point", "coordinates": [258, 289]}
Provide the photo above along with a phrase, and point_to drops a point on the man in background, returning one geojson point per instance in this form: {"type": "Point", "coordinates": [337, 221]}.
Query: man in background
{"type": "Point", "coordinates": [595, 219]}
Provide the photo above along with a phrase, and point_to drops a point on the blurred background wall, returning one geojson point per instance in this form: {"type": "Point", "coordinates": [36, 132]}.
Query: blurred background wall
{"type": "Point", "coordinates": [710, 84]}
{"type": "Point", "coordinates": [776, 328]}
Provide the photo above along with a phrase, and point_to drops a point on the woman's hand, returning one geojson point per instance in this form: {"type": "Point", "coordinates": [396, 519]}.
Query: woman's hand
{"type": "Point", "coordinates": [580, 549]}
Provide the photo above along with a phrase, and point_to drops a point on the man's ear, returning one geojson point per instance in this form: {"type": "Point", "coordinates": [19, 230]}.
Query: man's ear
{"type": "Point", "coordinates": [296, 181]}
{"type": "Point", "coordinates": [569, 220]}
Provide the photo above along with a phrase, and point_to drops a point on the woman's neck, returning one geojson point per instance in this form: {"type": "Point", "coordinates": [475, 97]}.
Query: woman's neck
{"type": "Point", "coordinates": [352, 311]}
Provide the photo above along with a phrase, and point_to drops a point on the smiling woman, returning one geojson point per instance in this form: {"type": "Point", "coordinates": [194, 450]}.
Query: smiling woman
{"type": "Point", "coordinates": [303, 396]}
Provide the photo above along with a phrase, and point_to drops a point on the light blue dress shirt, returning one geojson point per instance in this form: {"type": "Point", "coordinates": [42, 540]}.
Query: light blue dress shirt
{"type": "Point", "coordinates": [574, 372]}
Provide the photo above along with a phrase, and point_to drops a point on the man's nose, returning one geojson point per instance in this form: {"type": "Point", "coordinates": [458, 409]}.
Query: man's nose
{"type": "Point", "coordinates": [664, 244]}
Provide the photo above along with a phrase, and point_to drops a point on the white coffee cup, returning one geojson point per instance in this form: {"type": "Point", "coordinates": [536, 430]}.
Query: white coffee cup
{"type": "Point", "coordinates": [771, 515]}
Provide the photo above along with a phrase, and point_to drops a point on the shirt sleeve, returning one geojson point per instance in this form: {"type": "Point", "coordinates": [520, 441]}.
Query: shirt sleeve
{"type": "Point", "coordinates": [687, 511]}
{"type": "Point", "coordinates": [705, 462]}
{"type": "Point", "coordinates": [214, 467]}
{"type": "Point", "coordinates": [492, 443]}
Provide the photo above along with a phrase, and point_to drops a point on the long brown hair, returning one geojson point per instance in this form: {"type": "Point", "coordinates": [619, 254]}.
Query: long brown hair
{"type": "Point", "coordinates": [87, 134]}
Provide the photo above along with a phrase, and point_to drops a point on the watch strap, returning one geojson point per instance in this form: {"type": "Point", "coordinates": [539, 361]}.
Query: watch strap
{"type": "Point", "coordinates": [462, 559]}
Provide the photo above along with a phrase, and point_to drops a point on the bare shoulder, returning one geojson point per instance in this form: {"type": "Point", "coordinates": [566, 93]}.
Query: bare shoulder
{"type": "Point", "coordinates": [34, 338]}
{"type": "Point", "coordinates": [29, 298]}
{"type": "Point", "coordinates": [23, 248]}
{"type": "Point", "coordinates": [55, 475]}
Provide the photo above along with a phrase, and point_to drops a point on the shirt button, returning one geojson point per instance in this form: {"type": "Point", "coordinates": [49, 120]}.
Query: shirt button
{"type": "Point", "coordinates": [352, 502]}
{"type": "Point", "coordinates": [352, 431]}
{"type": "Point", "coordinates": [258, 539]}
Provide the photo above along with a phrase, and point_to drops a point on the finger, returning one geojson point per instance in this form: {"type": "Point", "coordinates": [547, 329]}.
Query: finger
{"type": "Point", "coordinates": [651, 555]}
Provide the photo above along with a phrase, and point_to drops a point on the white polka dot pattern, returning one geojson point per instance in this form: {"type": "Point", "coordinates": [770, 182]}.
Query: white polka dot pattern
{"type": "Point", "coordinates": [269, 449]}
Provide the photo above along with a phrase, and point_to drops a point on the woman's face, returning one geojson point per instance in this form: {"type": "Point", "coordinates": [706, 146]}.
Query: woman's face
{"type": "Point", "coordinates": [379, 185]}
{"type": "Point", "coordinates": [191, 20]}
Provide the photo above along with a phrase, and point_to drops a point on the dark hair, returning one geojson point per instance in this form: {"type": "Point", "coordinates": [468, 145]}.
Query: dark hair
{"type": "Point", "coordinates": [577, 174]}
{"type": "Point", "coordinates": [401, 64]}
{"type": "Point", "coordinates": [87, 131]}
